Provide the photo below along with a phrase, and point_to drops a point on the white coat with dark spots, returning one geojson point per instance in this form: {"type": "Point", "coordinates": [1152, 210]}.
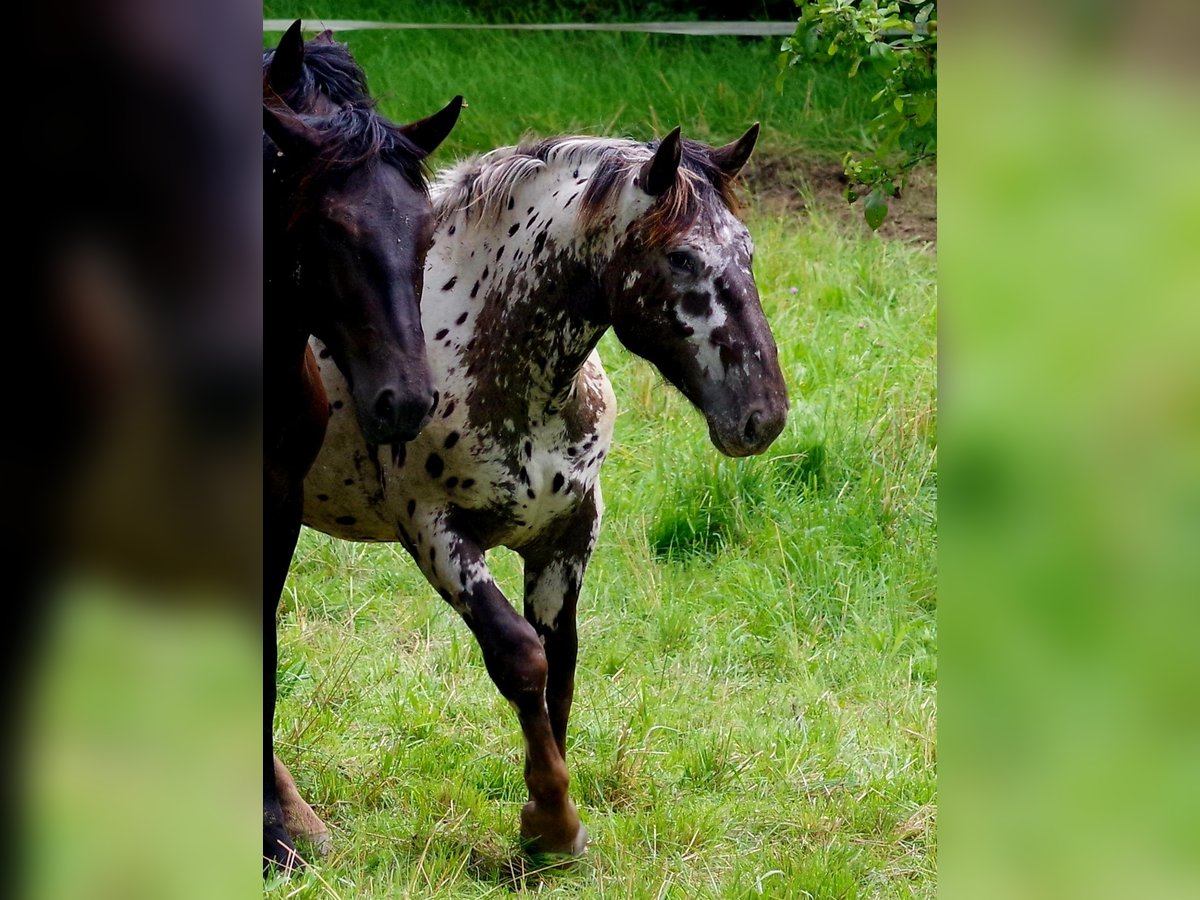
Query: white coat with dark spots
{"type": "Point", "coordinates": [538, 251]}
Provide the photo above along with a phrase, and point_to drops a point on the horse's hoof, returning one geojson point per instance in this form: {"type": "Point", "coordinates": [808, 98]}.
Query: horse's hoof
{"type": "Point", "coordinates": [541, 836]}
{"type": "Point", "coordinates": [319, 841]}
{"type": "Point", "coordinates": [279, 852]}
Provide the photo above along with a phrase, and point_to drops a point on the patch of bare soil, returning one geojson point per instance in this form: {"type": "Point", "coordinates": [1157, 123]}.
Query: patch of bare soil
{"type": "Point", "coordinates": [793, 185]}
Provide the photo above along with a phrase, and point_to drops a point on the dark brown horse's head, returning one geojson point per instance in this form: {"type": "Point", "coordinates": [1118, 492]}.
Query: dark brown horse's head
{"type": "Point", "coordinates": [682, 294]}
{"type": "Point", "coordinates": [346, 229]}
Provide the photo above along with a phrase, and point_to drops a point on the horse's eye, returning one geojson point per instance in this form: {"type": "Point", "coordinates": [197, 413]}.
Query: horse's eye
{"type": "Point", "coordinates": [683, 262]}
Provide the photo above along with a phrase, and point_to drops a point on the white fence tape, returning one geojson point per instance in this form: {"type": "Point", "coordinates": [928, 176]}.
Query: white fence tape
{"type": "Point", "coordinates": [750, 29]}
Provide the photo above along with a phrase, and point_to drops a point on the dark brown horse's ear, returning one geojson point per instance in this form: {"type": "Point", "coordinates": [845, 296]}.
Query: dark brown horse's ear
{"type": "Point", "coordinates": [427, 134]}
{"type": "Point", "coordinates": [288, 62]}
{"type": "Point", "coordinates": [730, 158]}
{"type": "Point", "coordinates": [290, 134]}
{"type": "Point", "coordinates": [658, 173]}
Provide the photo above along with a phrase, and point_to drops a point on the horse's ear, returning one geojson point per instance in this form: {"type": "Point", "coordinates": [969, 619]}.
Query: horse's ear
{"type": "Point", "coordinates": [290, 134]}
{"type": "Point", "coordinates": [288, 62]}
{"type": "Point", "coordinates": [325, 37]}
{"type": "Point", "coordinates": [730, 158]}
{"type": "Point", "coordinates": [658, 173]}
{"type": "Point", "coordinates": [427, 134]}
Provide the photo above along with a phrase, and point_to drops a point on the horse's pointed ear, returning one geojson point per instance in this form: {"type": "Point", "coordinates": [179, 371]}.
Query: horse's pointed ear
{"type": "Point", "coordinates": [428, 133]}
{"type": "Point", "coordinates": [658, 173]}
{"type": "Point", "coordinates": [290, 134]}
{"type": "Point", "coordinates": [288, 62]}
{"type": "Point", "coordinates": [325, 37]}
{"type": "Point", "coordinates": [730, 158]}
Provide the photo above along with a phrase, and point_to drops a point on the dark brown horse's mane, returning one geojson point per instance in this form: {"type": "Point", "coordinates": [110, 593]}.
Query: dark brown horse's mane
{"type": "Point", "coordinates": [328, 70]}
{"type": "Point", "coordinates": [355, 135]}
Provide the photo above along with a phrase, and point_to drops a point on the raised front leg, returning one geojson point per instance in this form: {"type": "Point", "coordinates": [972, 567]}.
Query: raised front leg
{"type": "Point", "coordinates": [554, 569]}
{"type": "Point", "coordinates": [516, 662]}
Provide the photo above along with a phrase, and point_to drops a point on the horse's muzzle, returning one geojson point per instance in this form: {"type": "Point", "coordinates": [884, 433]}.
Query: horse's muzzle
{"type": "Point", "coordinates": [750, 433]}
{"type": "Point", "coordinates": [395, 416]}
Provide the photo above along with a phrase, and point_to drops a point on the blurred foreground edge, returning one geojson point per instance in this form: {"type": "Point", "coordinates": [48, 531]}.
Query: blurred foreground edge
{"type": "Point", "coordinates": [135, 443]}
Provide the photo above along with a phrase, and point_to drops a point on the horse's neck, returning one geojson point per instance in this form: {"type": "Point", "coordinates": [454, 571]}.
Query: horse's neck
{"type": "Point", "coordinates": [538, 311]}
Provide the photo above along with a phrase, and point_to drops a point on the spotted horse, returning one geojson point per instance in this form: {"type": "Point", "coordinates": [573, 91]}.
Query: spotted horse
{"type": "Point", "coordinates": [538, 251]}
{"type": "Point", "coordinates": [347, 221]}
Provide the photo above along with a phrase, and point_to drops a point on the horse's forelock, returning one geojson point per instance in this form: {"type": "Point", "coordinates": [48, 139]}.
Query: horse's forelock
{"type": "Point", "coordinates": [698, 183]}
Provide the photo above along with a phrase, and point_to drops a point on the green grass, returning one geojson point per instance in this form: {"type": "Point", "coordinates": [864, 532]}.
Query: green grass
{"type": "Point", "coordinates": [755, 707]}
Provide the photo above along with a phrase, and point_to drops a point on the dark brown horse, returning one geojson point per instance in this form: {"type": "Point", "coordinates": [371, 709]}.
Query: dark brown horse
{"type": "Point", "coordinates": [347, 223]}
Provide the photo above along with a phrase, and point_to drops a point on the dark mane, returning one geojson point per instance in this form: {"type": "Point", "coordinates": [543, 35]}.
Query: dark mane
{"type": "Point", "coordinates": [355, 136]}
{"type": "Point", "coordinates": [328, 70]}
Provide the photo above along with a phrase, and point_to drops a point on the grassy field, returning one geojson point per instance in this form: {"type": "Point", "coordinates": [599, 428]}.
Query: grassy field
{"type": "Point", "coordinates": [756, 697]}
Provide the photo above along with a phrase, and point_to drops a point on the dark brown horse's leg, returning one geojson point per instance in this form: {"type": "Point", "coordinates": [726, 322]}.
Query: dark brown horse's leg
{"type": "Point", "coordinates": [516, 662]}
{"type": "Point", "coordinates": [553, 578]}
{"type": "Point", "coordinates": [295, 428]}
{"type": "Point", "coordinates": [298, 817]}
{"type": "Point", "coordinates": [281, 530]}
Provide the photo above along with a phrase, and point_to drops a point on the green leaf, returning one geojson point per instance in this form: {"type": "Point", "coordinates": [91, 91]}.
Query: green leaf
{"type": "Point", "coordinates": [875, 210]}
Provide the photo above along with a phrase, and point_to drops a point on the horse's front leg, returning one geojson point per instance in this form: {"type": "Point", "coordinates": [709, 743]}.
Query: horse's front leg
{"type": "Point", "coordinates": [554, 569]}
{"type": "Point", "coordinates": [516, 662]}
{"type": "Point", "coordinates": [281, 528]}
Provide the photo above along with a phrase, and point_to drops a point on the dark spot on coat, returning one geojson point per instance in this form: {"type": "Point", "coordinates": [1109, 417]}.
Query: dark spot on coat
{"type": "Point", "coordinates": [442, 332]}
{"type": "Point", "coordinates": [449, 284]}
{"type": "Point", "coordinates": [475, 290]}
{"type": "Point", "coordinates": [325, 354]}
{"type": "Point", "coordinates": [568, 203]}
{"type": "Point", "coordinates": [514, 229]}
{"type": "Point", "coordinates": [451, 482]}
{"type": "Point", "coordinates": [499, 253]}
{"type": "Point", "coordinates": [529, 210]}
{"type": "Point", "coordinates": [451, 440]}
{"type": "Point", "coordinates": [468, 483]}
{"type": "Point", "coordinates": [348, 481]}
{"type": "Point", "coordinates": [463, 317]}
{"type": "Point", "coordinates": [558, 482]}
{"type": "Point", "coordinates": [539, 242]}
{"type": "Point", "coordinates": [434, 465]}
{"type": "Point", "coordinates": [449, 409]}
{"type": "Point", "coordinates": [523, 475]}
{"type": "Point", "coordinates": [532, 495]}
{"type": "Point", "coordinates": [484, 276]}
{"type": "Point", "coordinates": [346, 520]}
{"type": "Point", "coordinates": [338, 404]}
{"type": "Point", "coordinates": [451, 229]}
{"type": "Point", "coordinates": [529, 450]}
{"type": "Point", "coordinates": [412, 508]}
{"type": "Point", "coordinates": [511, 201]}
{"type": "Point", "coordinates": [322, 497]}
{"type": "Point", "coordinates": [433, 405]}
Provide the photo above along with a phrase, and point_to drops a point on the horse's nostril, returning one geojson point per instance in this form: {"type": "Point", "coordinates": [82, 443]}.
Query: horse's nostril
{"type": "Point", "coordinates": [750, 432]}
{"type": "Point", "coordinates": [385, 405]}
